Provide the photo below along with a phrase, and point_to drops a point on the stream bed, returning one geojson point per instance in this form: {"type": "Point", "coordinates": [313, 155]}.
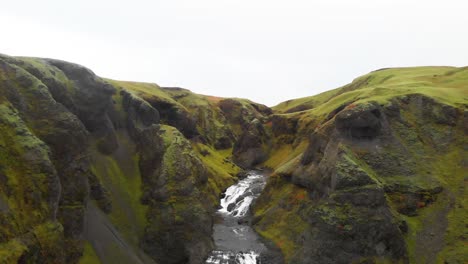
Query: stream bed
{"type": "Point", "coordinates": [235, 240]}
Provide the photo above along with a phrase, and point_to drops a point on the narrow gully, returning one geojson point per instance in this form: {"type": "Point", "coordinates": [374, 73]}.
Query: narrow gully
{"type": "Point", "coordinates": [235, 240]}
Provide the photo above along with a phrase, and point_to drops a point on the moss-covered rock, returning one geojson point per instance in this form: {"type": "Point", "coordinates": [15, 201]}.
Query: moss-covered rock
{"type": "Point", "coordinates": [253, 146]}
{"type": "Point", "coordinates": [179, 215]}
{"type": "Point", "coordinates": [374, 166]}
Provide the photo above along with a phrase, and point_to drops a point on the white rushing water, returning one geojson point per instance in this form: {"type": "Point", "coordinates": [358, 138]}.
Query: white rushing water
{"type": "Point", "coordinates": [222, 257]}
{"type": "Point", "coordinates": [237, 243]}
{"type": "Point", "coordinates": [240, 195]}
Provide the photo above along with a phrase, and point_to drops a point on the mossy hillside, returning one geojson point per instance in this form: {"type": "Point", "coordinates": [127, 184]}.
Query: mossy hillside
{"type": "Point", "coordinates": [455, 249]}
{"type": "Point", "coordinates": [119, 115]}
{"type": "Point", "coordinates": [444, 84]}
{"type": "Point", "coordinates": [53, 124]}
{"type": "Point", "coordinates": [34, 93]}
{"type": "Point", "coordinates": [43, 243]}
{"type": "Point", "coordinates": [180, 162]}
{"type": "Point", "coordinates": [119, 174]}
{"type": "Point", "coordinates": [28, 226]}
{"type": "Point", "coordinates": [144, 90]}
{"type": "Point", "coordinates": [25, 169]}
{"type": "Point", "coordinates": [241, 112]}
{"type": "Point", "coordinates": [213, 121]}
{"type": "Point", "coordinates": [210, 120]}
{"type": "Point", "coordinates": [179, 216]}
{"type": "Point", "coordinates": [305, 103]}
{"type": "Point", "coordinates": [38, 120]}
{"type": "Point", "coordinates": [277, 214]}
{"type": "Point", "coordinates": [34, 98]}
{"type": "Point", "coordinates": [50, 239]}
{"type": "Point", "coordinates": [44, 71]}
{"type": "Point", "coordinates": [411, 167]}
{"type": "Point", "coordinates": [171, 112]}
{"type": "Point", "coordinates": [284, 154]}
{"type": "Point", "coordinates": [153, 94]}
{"type": "Point", "coordinates": [89, 255]}
{"type": "Point", "coordinates": [421, 157]}
{"type": "Point", "coordinates": [324, 221]}
{"type": "Point", "coordinates": [221, 170]}
{"type": "Point", "coordinates": [12, 251]}
{"type": "Point", "coordinates": [438, 161]}
{"type": "Point", "coordinates": [65, 136]}
{"type": "Point", "coordinates": [181, 201]}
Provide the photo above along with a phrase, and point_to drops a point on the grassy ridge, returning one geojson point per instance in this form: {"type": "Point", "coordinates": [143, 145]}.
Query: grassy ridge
{"type": "Point", "coordinates": [445, 84]}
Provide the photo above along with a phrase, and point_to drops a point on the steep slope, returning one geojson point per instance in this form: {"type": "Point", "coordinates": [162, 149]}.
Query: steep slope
{"type": "Point", "coordinates": [222, 123]}
{"type": "Point", "coordinates": [382, 175]}
{"type": "Point", "coordinates": [87, 167]}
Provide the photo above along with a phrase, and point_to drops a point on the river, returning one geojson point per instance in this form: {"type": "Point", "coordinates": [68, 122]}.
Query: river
{"type": "Point", "coordinates": [235, 240]}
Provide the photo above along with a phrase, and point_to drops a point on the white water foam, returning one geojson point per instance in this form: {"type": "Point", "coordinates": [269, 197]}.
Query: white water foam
{"type": "Point", "coordinates": [241, 195]}
{"type": "Point", "coordinates": [221, 257]}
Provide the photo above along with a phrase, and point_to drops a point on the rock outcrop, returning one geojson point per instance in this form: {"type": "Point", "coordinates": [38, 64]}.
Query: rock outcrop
{"type": "Point", "coordinates": [372, 178]}
{"type": "Point", "coordinates": [70, 139]}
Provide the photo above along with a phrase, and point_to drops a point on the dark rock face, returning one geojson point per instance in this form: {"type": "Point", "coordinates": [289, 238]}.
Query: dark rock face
{"type": "Point", "coordinates": [92, 99]}
{"type": "Point", "coordinates": [362, 166]}
{"type": "Point", "coordinates": [359, 123]}
{"type": "Point", "coordinates": [179, 229]}
{"type": "Point", "coordinates": [284, 128]}
{"type": "Point", "coordinates": [62, 111]}
{"type": "Point", "coordinates": [90, 102]}
{"type": "Point", "coordinates": [67, 139]}
{"type": "Point", "coordinates": [240, 113]}
{"type": "Point", "coordinates": [314, 152]}
{"type": "Point", "coordinates": [345, 242]}
{"type": "Point", "coordinates": [231, 207]}
{"type": "Point", "coordinates": [66, 116]}
{"type": "Point", "coordinates": [247, 122]}
{"type": "Point", "coordinates": [250, 149]}
{"type": "Point", "coordinates": [140, 114]}
{"type": "Point", "coordinates": [175, 116]}
{"type": "Point", "coordinates": [352, 219]}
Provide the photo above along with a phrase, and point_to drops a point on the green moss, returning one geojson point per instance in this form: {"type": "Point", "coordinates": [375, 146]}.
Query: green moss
{"type": "Point", "coordinates": [279, 210]}
{"type": "Point", "coordinates": [218, 161]}
{"type": "Point", "coordinates": [11, 251]}
{"type": "Point", "coordinates": [304, 103]}
{"type": "Point", "coordinates": [51, 239]}
{"type": "Point", "coordinates": [23, 158]}
{"type": "Point", "coordinates": [278, 156]}
{"type": "Point", "coordinates": [434, 165]}
{"type": "Point", "coordinates": [145, 90]}
{"type": "Point", "coordinates": [45, 69]}
{"type": "Point", "coordinates": [89, 255]}
{"type": "Point", "coordinates": [444, 84]}
{"type": "Point", "coordinates": [222, 171]}
{"type": "Point", "coordinates": [120, 175]}
{"type": "Point", "coordinates": [118, 104]}
{"type": "Point", "coordinates": [452, 174]}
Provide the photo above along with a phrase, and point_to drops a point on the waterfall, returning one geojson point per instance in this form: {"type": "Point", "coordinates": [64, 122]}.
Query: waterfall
{"type": "Point", "coordinates": [236, 242]}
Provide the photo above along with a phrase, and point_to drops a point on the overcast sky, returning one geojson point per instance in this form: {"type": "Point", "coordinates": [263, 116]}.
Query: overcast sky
{"type": "Point", "coordinates": [265, 50]}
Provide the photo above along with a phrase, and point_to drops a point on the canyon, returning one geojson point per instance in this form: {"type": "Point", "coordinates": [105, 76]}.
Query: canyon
{"type": "Point", "coordinates": [94, 170]}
